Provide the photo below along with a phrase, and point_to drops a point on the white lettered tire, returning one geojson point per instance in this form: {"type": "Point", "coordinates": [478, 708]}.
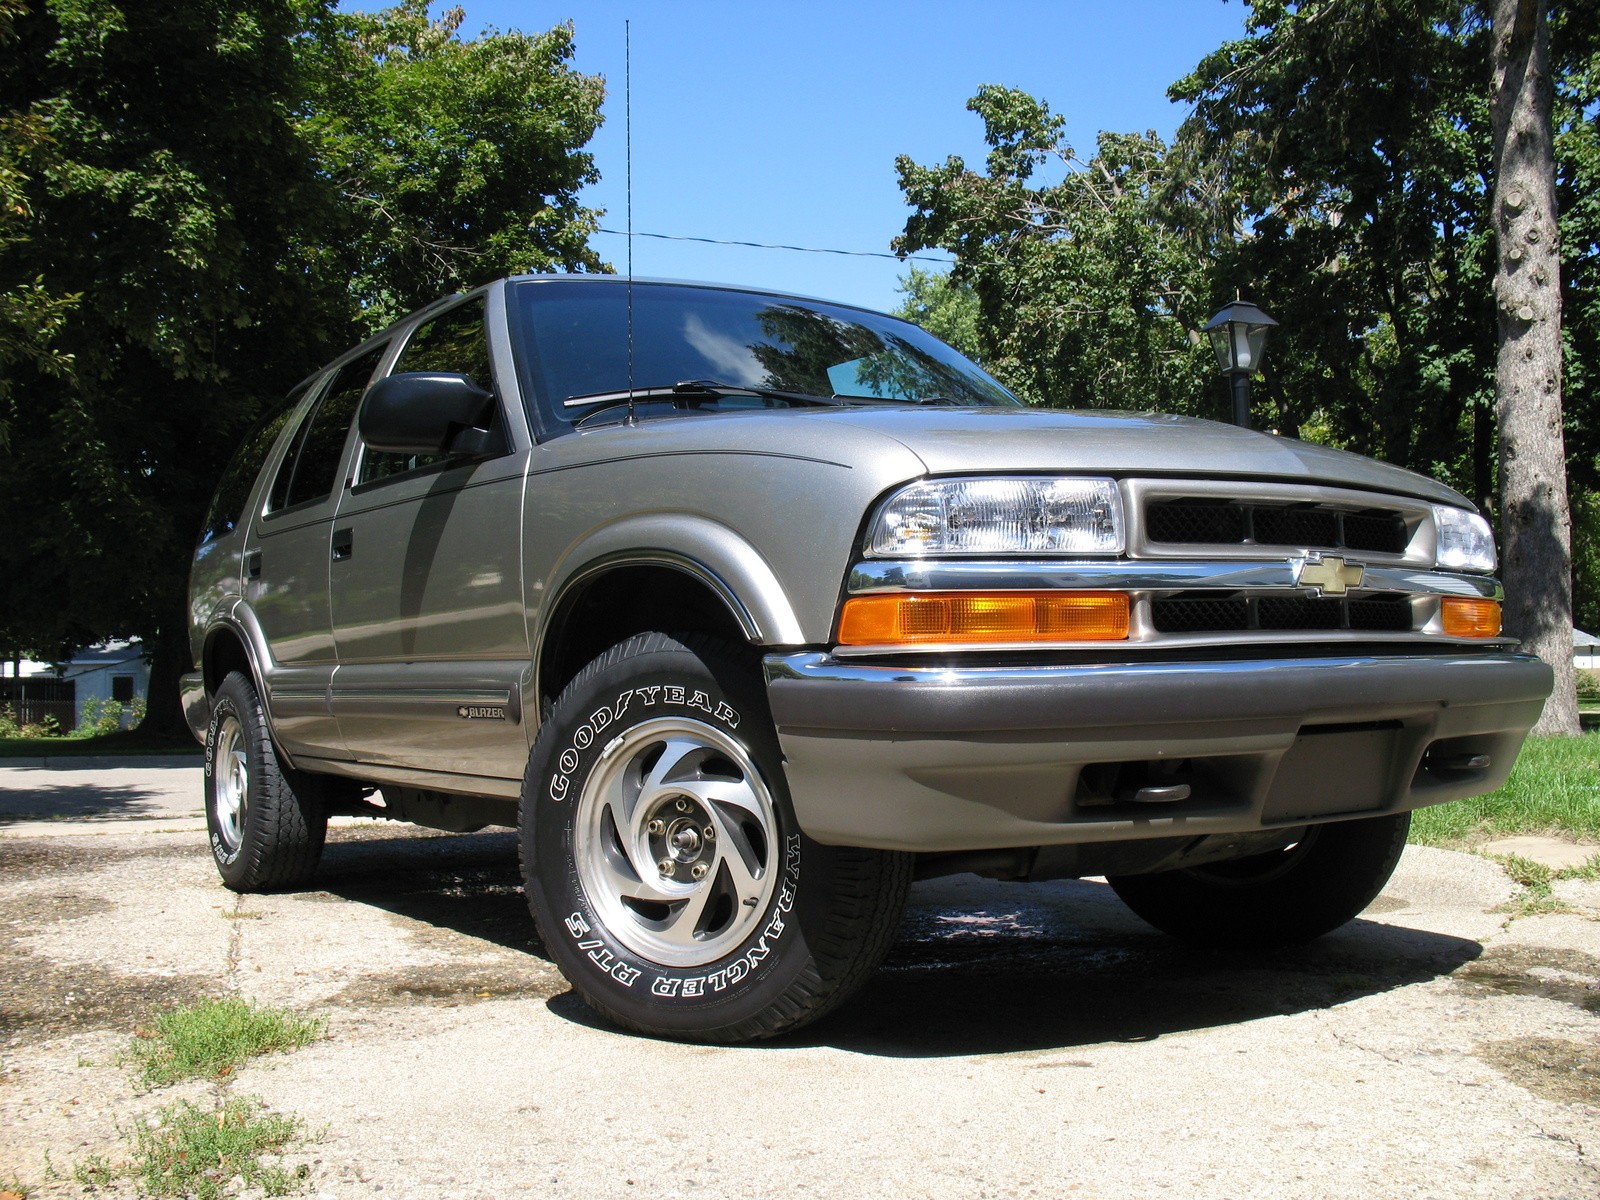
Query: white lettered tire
{"type": "Point", "coordinates": [1282, 898]}
{"type": "Point", "coordinates": [266, 821]}
{"type": "Point", "coordinates": [663, 864]}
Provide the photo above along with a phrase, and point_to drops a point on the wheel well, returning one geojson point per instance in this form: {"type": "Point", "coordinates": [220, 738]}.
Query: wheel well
{"type": "Point", "coordinates": [610, 607]}
{"type": "Point", "coordinates": [224, 653]}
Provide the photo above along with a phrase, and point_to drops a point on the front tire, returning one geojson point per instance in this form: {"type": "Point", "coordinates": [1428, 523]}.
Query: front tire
{"type": "Point", "coordinates": [266, 820]}
{"type": "Point", "coordinates": [663, 864]}
{"type": "Point", "coordinates": [1283, 898]}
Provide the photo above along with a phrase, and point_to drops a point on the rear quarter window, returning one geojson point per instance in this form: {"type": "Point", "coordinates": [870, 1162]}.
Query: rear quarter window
{"type": "Point", "coordinates": [227, 504]}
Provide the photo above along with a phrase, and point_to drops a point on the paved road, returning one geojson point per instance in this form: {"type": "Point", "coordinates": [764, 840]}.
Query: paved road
{"type": "Point", "coordinates": [1021, 1041]}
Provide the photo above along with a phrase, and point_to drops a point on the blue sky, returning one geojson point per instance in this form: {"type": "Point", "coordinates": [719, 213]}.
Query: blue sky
{"type": "Point", "coordinates": [770, 122]}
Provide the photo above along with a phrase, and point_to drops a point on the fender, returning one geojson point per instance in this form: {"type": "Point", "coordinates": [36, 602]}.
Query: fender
{"type": "Point", "coordinates": [238, 619]}
{"type": "Point", "coordinates": [711, 552]}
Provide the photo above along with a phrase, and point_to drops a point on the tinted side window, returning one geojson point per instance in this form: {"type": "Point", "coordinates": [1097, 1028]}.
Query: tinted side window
{"type": "Point", "coordinates": [222, 518]}
{"type": "Point", "coordinates": [278, 497]}
{"type": "Point", "coordinates": [324, 442]}
{"type": "Point", "coordinates": [454, 342]}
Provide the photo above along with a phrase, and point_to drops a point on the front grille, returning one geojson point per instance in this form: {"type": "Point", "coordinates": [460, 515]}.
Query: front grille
{"type": "Point", "coordinates": [1199, 613]}
{"type": "Point", "coordinates": [1207, 521]}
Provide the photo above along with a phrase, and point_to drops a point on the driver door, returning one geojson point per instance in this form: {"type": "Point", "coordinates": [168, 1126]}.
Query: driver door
{"type": "Point", "coordinates": [426, 588]}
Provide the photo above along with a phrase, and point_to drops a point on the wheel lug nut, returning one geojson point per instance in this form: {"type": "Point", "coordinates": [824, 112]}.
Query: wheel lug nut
{"type": "Point", "coordinates": [698, 870]}
{"type": "Point", "coordinates": [666, 866]}
{"type": "Point", "coordinates": [709, 832]}
{"type": "Point", "coordinates": [657, 826]}
{"type": "Point", "coordinates": [683, 805]}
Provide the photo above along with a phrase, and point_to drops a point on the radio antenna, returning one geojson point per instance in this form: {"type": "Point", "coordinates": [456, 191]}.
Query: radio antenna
{"type": "Point", "coordinates": [627, 121]}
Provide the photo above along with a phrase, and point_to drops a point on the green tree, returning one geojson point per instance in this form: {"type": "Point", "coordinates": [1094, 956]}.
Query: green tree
{"type": "Point", "coordinates": [30, 316]}
{"type": "Point", "coordinates": [455, 161]}
{"type": "Point", "coordinates": [943, 306]}
{"type": "Point", "coordinates": [1087, 296]}
{"type": "Point", "coordinates": [236, 189]}
{"type": "Point", "coordinates": [1334, 164]}
{"type": "Point", "coordinates": [165, 189]}
{"type": "Point", "coordinates": [1338, 164]}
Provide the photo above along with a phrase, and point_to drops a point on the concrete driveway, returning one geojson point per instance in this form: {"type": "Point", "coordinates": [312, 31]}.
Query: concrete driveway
{"type": "Point", "coordinates": [1021, 1040]}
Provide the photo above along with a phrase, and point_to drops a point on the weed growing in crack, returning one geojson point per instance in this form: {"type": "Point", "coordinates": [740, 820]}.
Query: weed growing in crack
{"type": "Point", "coordinates": [205, 1153]}
{"type": "Point", "coordinates": [211, 1038]}
{"type": "Point", "coordinates": [94, 1172]}
{"type": "Point", "coordinates": [193, 1151]}
{"type": "Point", "coordinates": [1535, 879]}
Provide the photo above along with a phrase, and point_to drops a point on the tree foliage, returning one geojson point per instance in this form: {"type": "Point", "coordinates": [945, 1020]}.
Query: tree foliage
{"type": "Point", "coordinates": [1348, 144]}
{"type": "Point", "coordinates": [30, 315]}
{"type": "Point", "coordinates": [946, 308]}
{"type": "Point", "coordinates": [1086, 294]}
{"type": "Point", "coordinates": [454, 161]}
{"type": "Point", "coordinates": [232, 190]}
{"type": "Point", "coordinates": [164, 190]}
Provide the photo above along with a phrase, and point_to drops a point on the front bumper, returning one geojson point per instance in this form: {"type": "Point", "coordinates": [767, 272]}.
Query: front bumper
{"type": "Point", "coordinates": [195, 703]}
{"type": "Point", "coordinates": [950, 758]}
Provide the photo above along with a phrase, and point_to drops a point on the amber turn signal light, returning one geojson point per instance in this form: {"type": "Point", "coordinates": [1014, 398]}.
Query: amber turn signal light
{"type": "Point", "coordinates": [1470, 617]}
{"type": "Point", "coordinates": [937, 618]}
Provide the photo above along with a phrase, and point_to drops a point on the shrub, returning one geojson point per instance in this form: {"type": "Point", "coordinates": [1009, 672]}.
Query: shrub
{"type": "Point", "coordinates": [108, 716]}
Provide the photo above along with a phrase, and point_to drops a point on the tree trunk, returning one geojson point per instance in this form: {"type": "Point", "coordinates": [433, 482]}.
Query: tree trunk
{"type": "Point", "coordinates": [169, 659]}
{"type": "Point", "coordinates": [1535, 519]}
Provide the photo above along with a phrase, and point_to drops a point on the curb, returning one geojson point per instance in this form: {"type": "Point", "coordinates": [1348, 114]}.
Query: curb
{"type": "Point", "coordinates": [83, 762]}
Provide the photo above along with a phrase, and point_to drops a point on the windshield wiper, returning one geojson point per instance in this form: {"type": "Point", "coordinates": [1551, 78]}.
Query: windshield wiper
{"type": "Point", "coordinates": [685, 393]}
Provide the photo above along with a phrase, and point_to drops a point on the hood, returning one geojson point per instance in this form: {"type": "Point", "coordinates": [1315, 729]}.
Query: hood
{"type": "Point", "coordinates": [970, 440]}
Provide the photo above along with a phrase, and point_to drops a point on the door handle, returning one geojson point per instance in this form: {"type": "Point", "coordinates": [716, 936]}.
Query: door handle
{"type": "Point", "coordinates": [252, 564]}
{"type": "Point", "coordinates": [343, 544]}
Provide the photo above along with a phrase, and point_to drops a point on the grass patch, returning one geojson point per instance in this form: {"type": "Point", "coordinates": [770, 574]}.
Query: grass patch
{"type": "Point", "coordinates": [211, 1038]}
{"type": "Point", "coordinates": [12, 1188]}
{"type": "Point", "coordinates": [194, 1151]}
{"type": "Point", "coordinates": [1535, 879]}
{"type": "Point", "coordinates": [130, 742]}
{"type": "Point", "coordinates": [1554, 788]}
{"type": "Point", "coordinates": [94, 1172]}
{"type": "Point", "coordinates": [204, 1153]}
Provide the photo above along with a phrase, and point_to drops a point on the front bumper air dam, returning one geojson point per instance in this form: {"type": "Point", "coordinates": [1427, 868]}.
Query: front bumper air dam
{"type": "Point", "coordinates": [935, 759]}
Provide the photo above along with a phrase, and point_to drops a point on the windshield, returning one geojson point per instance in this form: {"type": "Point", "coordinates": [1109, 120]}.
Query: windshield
{"type": "Point", "coordinates": [576, 334]}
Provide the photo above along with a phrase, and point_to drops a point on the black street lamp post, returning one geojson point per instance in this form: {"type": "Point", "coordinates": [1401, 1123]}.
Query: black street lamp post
{"type": "Point", "coordinates": [1239, 336]}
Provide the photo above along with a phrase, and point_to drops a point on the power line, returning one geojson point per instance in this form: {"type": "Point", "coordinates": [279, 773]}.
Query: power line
{"type": "Point", "coordinates": [678, 237]}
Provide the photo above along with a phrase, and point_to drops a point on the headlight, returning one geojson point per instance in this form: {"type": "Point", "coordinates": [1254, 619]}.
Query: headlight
{"type": "Point", "coordinates": [1465, 541]}
{"type": "Point", "coordinates": [999, 516]}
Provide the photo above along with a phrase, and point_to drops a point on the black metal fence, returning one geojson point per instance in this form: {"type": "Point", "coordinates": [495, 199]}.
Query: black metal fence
{"type": "Point", "coordinates": [34, 699]}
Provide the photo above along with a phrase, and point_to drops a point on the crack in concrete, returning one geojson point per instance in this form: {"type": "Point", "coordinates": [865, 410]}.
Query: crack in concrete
{"type": "Point", "coordinates": [235, 950]}
{"type": "Point", "coordinates": [1561, 1139]}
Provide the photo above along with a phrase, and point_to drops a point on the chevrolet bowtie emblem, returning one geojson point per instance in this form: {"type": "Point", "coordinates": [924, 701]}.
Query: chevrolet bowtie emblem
{"type": "Point", "coordinates": [1331, 575]}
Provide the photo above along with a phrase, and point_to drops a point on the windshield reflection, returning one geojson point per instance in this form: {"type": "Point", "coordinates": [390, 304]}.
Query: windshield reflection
{"type": "Point", "coordinates": [576, 337]}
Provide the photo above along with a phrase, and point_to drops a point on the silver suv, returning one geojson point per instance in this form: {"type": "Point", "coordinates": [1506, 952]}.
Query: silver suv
{"type": "Point", "coordinates": [746, 610]}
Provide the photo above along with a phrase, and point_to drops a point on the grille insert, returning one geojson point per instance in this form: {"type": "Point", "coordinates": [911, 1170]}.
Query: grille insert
{"type": "Point", "coordinates": [1194, 613]}
{"type": "Point", "coordinates": [1208, 521]}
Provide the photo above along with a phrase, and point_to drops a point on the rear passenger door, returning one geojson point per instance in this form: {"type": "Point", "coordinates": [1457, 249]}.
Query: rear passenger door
{"type": "Point", "coordinates": [286, 557]}
{"type": "Point", "coordinates": [426, 586]}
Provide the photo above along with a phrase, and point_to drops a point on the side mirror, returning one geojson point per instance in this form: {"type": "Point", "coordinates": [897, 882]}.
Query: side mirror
{"type": "Point", "coordinates": [425, 412]}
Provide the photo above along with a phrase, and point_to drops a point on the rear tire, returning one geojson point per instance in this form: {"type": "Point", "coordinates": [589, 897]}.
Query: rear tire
{"type": "Point", "coordinates": [267, 821]}
{"type": "Point", "coordinates": [663, 864]}
{"type": "Point", "coordinates": [1279, 899]}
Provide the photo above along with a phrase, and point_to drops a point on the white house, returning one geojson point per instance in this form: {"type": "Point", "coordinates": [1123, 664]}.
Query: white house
{"type": "Point", "coordinates": [1585, 651]}
{"type": "Point", "coordinates": [110, 671]}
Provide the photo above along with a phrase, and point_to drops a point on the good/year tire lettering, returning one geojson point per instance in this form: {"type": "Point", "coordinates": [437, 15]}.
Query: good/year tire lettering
{"type": "Point", "coordinates": [584, 736]}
